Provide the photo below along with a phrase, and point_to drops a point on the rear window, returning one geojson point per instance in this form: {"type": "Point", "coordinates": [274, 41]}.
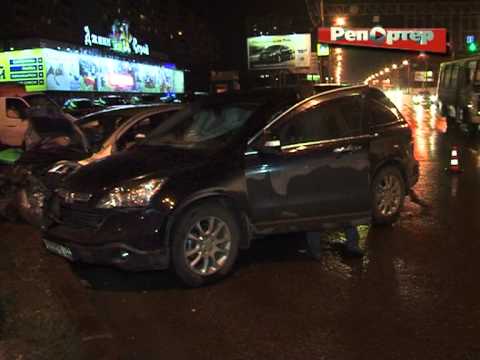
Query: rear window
{"type": "Point", "coordinates": [380, 97]}
{"type": "Point", "coordinates": [98, 127]}
{"type": "Point", "coordinates": [380, 114]}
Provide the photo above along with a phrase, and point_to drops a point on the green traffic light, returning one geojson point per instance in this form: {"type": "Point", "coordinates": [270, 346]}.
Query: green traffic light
{"type": "Point", "coordinates": [472, 47]}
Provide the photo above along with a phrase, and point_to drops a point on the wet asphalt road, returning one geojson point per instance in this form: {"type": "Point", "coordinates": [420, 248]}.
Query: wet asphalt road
{"type": "Point", "coordinates": [415, 295]}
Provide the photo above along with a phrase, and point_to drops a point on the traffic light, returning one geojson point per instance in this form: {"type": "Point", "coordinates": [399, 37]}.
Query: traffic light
{"type": "Point", "coordinates": [472, 47]}
{"type": "Point", "coordinates": [471, 43]}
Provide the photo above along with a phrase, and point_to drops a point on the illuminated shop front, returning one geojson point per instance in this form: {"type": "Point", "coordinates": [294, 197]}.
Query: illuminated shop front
{"type": "Point", "coordinates": [54, 70]}
{"type": "Point", "coordinates": [114, 63]}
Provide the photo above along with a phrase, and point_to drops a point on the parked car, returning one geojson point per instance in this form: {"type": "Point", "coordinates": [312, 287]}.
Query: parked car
{"type": "Point", "coordinates": [230, 168]}
{"type": "Point", "coordinates": [276, 54]}
{"type": "Point", "coordinates": [63, 145]}
{"type": "Point", "coordinates": [80, 106]}
{"type": "Point", "coordinates": [458, 92]}
{"type": "Point", "coordinates": [13, 115]}
{"type": "Point", "coordinates": [110, 100]}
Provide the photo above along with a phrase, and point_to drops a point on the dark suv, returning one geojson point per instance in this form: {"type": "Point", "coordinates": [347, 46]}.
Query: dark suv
{"type": "Point", "coordinates": [232, 167]}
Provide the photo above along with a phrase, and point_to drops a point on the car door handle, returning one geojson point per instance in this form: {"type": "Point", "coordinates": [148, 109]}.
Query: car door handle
{"type": "Point", "coordinates": [347, 149]}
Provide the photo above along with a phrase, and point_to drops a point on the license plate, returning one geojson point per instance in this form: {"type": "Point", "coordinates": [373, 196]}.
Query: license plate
{"type": "Point", "coordinates": [58, 249]}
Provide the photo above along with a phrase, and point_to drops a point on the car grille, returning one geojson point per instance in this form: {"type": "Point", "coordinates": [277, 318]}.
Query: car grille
{"type": "Point", "coordinates": [81, 218]}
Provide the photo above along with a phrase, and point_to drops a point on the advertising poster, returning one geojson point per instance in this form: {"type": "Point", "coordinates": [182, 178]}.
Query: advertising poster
{"type": "Point", "coordinates": [24, 66]}
{"type": "Point", "coordinates": [81, 72]}
{"type": "Point", "coordinates": [53, 70]}
{"type": "Point", "coordinates": [279, 51]}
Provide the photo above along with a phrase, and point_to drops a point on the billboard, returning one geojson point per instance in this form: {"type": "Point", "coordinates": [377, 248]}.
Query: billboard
{"type": "Point", "coordinates": [279, 51]}
{"type": "Point", "coordinates": [24, 66]}
{"type": "Point", "coordinates": [423, 76]}
{"type": "Point", "coordinates": [428, 40]}
{"type": "Point", "coordinates": [53, 70]}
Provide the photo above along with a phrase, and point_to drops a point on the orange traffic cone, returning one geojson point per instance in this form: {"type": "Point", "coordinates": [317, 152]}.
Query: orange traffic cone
{"type": "Point", "coordinates": [454, 167]}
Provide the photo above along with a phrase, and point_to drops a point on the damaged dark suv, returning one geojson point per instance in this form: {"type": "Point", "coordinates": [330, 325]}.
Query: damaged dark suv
{"type": "Point", "coordinates": [232, 167]}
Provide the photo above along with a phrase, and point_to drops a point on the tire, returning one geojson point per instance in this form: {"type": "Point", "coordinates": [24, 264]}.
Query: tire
{"type": "Point", "coordinates": [390, 180]}
{"type": "Point", "coordinates": [205, 250]}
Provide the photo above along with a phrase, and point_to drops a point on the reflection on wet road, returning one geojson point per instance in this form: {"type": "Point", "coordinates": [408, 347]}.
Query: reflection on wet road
{"type": "Point", "coordinates": [414, 295]}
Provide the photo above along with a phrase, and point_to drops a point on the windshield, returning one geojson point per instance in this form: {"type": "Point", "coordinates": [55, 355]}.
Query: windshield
{"type": "Point", "coordinates": [98, 127]}
{"type": "Point", "coordinates": [190, 128]}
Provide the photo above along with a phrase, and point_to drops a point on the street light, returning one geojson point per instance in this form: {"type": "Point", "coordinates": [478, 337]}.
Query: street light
{"type": "Point", "coordinates": [405, 62]}
{"type": "Point", "coordinates": [394, 66]}
{"type": "Point", "coordinates": [381, 72]}
{"type": "Point", "coordinates": [340, 21]}
{"type": "Point", "coordinates": [387, 70]}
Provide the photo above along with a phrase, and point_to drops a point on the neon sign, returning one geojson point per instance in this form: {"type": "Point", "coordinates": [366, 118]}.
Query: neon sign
{"type": "Point", "coordinates": [120, 39]}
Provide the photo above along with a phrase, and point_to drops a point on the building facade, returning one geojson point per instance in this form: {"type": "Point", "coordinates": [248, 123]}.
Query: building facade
{"type": "Point", "coordinates": [174, 29]}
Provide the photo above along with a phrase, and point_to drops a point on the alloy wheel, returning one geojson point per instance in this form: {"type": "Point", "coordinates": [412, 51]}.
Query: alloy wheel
{"type": "Point", "coordinates": [389, 195]}
{"type": "Point", "coordinates": [207, 245]}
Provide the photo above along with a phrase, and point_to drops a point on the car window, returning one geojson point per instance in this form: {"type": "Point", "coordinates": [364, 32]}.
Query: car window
{"type": "Point", "coordinates": [381, 114]}
{"type": "Point", "coordinates": [142, 128]}
{"type": "Point", "coordinates": [16, 108]}
{"type": "Point", "coordinates": [477, 75]}
{"type": "Point", "coordinates": [471, 68]}
{"type": "Point", "coordinates": [448, 75]}
{"type": "Point", "coordinates": [380, 97]}
{"type": "Point", "coordinates": [99, 127]}
{"type": "Point", "coordinates": [441, 79]}
{"type": "Point", "coordinates": [330, 120]}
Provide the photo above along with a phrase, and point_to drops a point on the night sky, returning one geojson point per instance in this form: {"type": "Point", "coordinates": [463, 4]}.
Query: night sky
{"type": "Point", "coordinates": [228, 20]}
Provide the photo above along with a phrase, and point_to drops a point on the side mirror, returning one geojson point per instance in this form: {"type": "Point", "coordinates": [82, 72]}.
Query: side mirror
{"type": "Point", "coordinates": [140, 136]}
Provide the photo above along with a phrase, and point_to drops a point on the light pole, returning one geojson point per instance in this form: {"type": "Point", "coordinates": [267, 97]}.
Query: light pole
{"type": "Point", "coordinates": [339, 21]}
{"type": "Point", "coordinates": [407, 64]}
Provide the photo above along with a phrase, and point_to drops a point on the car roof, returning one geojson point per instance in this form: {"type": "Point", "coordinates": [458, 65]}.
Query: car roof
{"type": "Point", "coordinates": [134, 109]}
{"type": "Point", "coordinates": [265, 95]}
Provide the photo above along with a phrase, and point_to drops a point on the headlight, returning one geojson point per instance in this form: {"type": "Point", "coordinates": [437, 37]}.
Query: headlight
{"type": "Point", "coordinates": [138, 195]}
